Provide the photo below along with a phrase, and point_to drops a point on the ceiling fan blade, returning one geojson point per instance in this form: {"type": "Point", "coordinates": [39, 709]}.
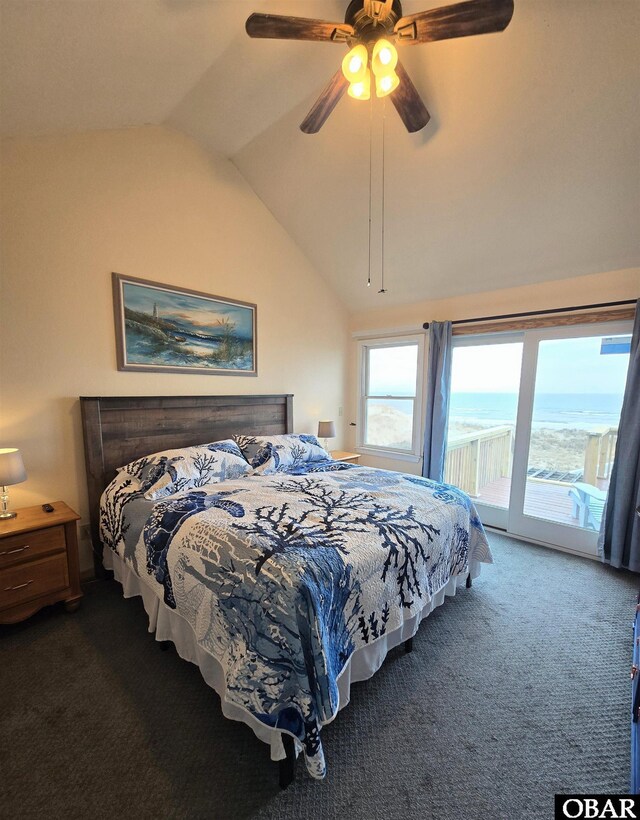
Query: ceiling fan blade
{"type": "Point", "coordinates": [279, 27]}
{"type": "Point", "coordinates": [459, 20]}
{"type": "Point", "coordinates": [408, 103]}
{"type": "Point", "coordinates": [325, 104]}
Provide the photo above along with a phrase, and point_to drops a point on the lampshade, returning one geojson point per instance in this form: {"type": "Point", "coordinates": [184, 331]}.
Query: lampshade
{"type": "Point", "coordinates": [326, 429]}
{"type": "Point", "coordinates": [384, 58]}
{"type": "Point", "coordinates": [354, 65]}
{"type": "Point", "coordinates": [11, 467]}
{"type": "Point", "coordinates": [385, 85]}
{"type": "Point", "coordinates": [361, 90]}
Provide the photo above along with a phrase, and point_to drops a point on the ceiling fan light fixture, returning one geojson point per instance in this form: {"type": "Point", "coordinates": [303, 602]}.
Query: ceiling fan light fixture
{"type": "Point", "coordinates": [387, 84]}
{"type": "Point", "coordinates": [365, 21]}
{"type": "Point", "coordinates": [354, 65]}
{"type": "Point", "coordinates": [384, 58]}
{"type": "Point", "coordinates": [362, 89]}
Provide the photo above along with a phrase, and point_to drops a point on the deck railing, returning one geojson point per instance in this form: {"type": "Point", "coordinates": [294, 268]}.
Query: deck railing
{"type": "Point", "coordinates": [598, 457]}
{"type": "Point", "coordinates": [475, 459]}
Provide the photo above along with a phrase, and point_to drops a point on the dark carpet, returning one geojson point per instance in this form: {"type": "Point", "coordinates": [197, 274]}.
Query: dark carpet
{"type": "Point", "coordinates": [516, 689]}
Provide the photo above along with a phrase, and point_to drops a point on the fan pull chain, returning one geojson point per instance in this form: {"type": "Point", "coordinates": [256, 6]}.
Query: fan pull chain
{"type": "Point", "coordinates": [382, 287]}
{"type": "Point", "coordinates": [370, 174]}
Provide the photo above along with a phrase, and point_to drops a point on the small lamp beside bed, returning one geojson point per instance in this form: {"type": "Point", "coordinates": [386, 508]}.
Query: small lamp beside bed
{"type": "Point", "coordinates": [11, 472]}
{"type": "Point", "coordinates": [326, 430]}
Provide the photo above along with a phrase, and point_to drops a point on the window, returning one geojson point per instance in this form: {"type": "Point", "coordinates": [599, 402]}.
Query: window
{"type": "Point", "coordinates": [390, 396]}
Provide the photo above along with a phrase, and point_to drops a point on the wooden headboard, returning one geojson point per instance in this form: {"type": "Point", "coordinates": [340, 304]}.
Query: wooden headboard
{"type": "Point", "coordinates": [120, 429]}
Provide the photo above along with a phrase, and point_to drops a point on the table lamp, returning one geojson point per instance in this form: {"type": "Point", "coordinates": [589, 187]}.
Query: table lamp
{"type": "Point", "coordinates": [326, 430]}
{"type": "Point", "coordinates": [11, 472]}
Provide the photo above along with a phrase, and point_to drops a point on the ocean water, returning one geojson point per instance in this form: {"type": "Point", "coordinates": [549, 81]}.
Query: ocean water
{"type": "Point", "coordinates": [554, 410]}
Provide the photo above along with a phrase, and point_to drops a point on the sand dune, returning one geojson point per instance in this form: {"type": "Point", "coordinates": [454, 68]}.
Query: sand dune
{"type": "Point", "coordinates": [551, 448]}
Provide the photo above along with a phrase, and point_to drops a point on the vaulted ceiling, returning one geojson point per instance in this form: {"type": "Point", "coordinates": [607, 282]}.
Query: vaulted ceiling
{"type": "Point", "coordinates": [528, 171]}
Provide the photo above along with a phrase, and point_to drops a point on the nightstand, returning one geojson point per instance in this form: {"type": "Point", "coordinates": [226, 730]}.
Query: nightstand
{"type": "Point", "coordinates": [343, 455]}
{"type": "Point", "coordinates": [38, 562]}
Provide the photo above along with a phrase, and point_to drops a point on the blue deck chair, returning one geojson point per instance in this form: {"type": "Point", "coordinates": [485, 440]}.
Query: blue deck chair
{"type": "Point", "coordinates": [588, 505]}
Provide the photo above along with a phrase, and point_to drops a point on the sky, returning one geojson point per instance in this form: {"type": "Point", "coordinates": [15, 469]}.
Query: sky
{"type": "Point", "coordinates": [393, 370]}
{"type": "Point", "coordinates": [564, 366]}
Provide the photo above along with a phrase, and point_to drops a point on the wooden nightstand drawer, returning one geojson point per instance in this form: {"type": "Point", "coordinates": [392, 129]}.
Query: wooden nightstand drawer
{"type": "Point", "coordinates": [19, 548]}
{"type": "Point", "coordinates": [38, 561]}
{"type": "Point", "coordinates": [32, 579]}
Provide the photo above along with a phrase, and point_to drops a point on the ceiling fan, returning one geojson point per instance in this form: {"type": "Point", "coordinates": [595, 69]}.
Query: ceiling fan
{"type": "Point", "coordinates": [370, 29]}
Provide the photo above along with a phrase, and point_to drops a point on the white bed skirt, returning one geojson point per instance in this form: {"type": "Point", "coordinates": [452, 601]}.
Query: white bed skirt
{"type": "Point", "coordinates": [168, 625]}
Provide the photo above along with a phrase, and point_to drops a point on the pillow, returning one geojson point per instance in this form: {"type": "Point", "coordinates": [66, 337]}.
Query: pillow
{"type": "Point", "coordinates": [271, 454]}
{"type": "Point", "coordinates": [172, 471]}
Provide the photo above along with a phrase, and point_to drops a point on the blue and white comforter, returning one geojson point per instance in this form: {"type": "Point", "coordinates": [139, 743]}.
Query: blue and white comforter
{"type": "Point", "coordinates": [283, 577]}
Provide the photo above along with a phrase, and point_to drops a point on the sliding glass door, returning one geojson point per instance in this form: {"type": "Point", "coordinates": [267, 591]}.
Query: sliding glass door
{"type": "Point", "coordinates": [485, 383]}
{"type": "Point", "coordinates": [542, 470]}
{"type": "Point", "coordinates": [573, 383]}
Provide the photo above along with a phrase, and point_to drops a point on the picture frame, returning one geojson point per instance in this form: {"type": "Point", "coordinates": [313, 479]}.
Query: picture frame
{"type": "Point", "coordinates": [168, 329]}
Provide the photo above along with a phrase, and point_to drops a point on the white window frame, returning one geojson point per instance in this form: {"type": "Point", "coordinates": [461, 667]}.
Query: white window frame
{"type": "Point", "coordinates": [364, 345]}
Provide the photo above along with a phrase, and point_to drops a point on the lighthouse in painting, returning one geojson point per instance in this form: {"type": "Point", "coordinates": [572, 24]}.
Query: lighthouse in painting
{"type": "Point", "coordinates": [155, 310]}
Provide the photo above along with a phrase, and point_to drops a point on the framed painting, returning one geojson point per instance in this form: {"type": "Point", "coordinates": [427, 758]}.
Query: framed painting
{"type": "Point", "coordinates": [165, 329]}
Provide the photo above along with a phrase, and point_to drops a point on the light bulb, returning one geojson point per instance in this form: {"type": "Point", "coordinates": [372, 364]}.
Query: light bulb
{"type": "Point", "coordinates": [384, 58]}
{"type": "Point", "coordinates": [354, 65]}
{"type": "Point", "coordinates": [385, 55]}
{"type": "Point", "coordinates": [361, 90]}
{"type": "Point", "coordinates": [385, 85]}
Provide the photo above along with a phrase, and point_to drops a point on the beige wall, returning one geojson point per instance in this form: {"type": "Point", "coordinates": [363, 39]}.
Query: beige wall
{"type": "Point", "coordinates": [596, 288]}
{"type": "Point", "coordinates": [150, 203]}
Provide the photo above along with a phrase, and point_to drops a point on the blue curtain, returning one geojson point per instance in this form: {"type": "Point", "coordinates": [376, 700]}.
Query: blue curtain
{"type": "Point", "coordinates": [438, 386]}
{"type": "Point", "coordinates": [619, 540]}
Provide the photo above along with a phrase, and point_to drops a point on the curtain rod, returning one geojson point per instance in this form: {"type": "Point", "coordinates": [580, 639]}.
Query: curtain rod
{"type": "Point", "coordinates": [538, 312]}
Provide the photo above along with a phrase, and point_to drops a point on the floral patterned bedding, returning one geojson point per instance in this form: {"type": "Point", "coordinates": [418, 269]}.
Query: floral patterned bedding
{"type": "Point", "coordinates": [282, 577]}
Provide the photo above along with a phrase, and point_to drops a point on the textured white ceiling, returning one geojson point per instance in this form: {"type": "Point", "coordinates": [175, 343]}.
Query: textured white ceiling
{"type": "Point", "coordinates": [528, 171]}
{"type": "Point", "coordinates": [83, 64]}
{"type": "Point", "coordinates": [86, 64]}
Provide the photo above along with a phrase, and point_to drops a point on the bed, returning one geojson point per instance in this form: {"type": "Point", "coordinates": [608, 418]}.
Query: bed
{"type": "Point", "coordinates": [284, 582]}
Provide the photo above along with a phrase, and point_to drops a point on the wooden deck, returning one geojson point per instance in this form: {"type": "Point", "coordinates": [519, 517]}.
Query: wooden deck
{"type": "Point", "coordinates": [542, 500]}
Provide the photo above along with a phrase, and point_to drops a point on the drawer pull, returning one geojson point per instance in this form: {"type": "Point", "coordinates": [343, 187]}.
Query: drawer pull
{"type": "Point", "coordinates": [19, 586]}
{"type": "Point", "coordinates": [13, 552]}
